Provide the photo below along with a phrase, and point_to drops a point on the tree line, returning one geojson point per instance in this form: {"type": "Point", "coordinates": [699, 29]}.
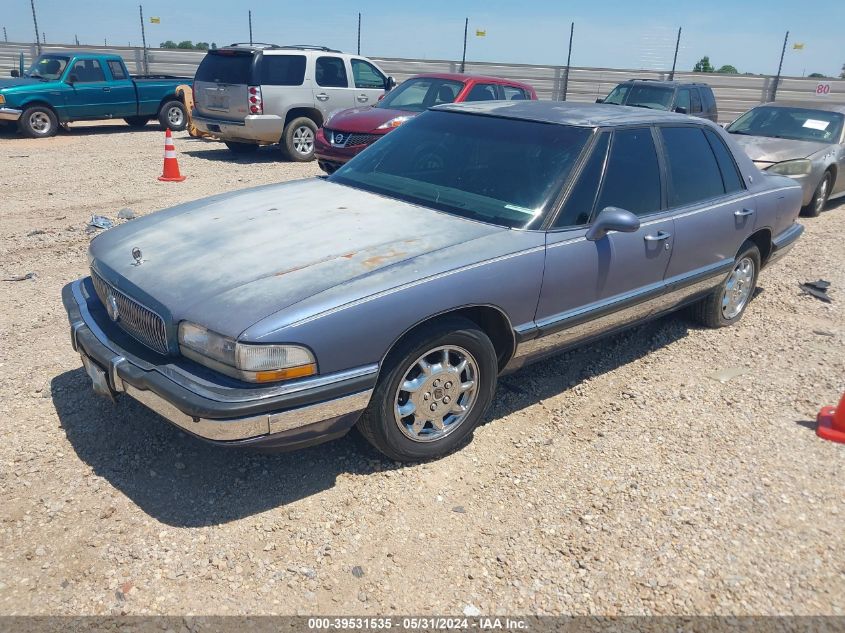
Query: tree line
{"type": "Point", "coordinates": [703, 65]}
{"type": "Point", "coordinates": [188, 45]}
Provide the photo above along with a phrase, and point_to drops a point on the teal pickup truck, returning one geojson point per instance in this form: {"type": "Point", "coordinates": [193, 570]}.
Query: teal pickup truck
{"type": "Point", "coordinates": [63, 87]}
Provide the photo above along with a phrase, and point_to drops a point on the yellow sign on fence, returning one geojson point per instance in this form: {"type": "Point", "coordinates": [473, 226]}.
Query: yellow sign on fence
{"type": "Point", "coordinates": [155, 20]}
{"type": "Point", "coordinates": [798, 46]}
{"type": "Point", "coordinates": [480, 32]}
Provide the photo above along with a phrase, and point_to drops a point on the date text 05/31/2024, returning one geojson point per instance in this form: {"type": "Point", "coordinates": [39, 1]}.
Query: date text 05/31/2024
{"type": "Point", "coordinates": [418, 623]}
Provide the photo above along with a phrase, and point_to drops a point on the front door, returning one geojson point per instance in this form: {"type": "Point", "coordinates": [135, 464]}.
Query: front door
{"type": "Point", "coordinates": [88, 97]}
{"type": "Point", "coordinates": [331, 85]}
{"type": "Point", "coordinates": [591, 287]}
{"type": "Point", "coordinates": [369, 82]}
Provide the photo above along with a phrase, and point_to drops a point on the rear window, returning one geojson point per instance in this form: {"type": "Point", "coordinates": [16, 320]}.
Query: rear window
{"type": "Point", "coordinates": [225, 67]}
{"type": "Point", "coordinates": [282, 70]}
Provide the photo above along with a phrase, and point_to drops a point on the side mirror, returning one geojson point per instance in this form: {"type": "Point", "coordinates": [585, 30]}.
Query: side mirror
{"type": "Point", "coordinates": [390, 84]}
{"type": "Point", "coordinates": [680, 109]}
{"type": "Point", "coordinates": [15, 73]}
{"type": "Point", "coordinates": [599, 100]}
{"type": "Point", "coordinates": [613, 219]}
{"type": "Point", "coordinates": [72, 79]}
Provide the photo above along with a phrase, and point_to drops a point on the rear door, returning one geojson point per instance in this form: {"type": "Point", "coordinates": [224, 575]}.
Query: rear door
{"type": "Point", "coordinates": [221, 84]}
{"type": "Point", "coordinates": [332, 89]}
{"type": "Point", "coordinates": [369, 81]}
{"type": "Point", "coordinates": [89, 96]}
{"type": "Point", "coordinates": [122, 96]}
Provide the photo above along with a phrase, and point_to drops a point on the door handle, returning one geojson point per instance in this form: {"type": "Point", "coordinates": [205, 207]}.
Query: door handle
{"type": "Point", "coordinates": [322, 96]}
{"type": "Point", "coordinates": [106, 89]}
{"type": "Point", "coordinates": [363, 98]}
{"type": "Point", "coordinates": [661, 235]}
{"type": "Point", "coordinates": [743, 213]}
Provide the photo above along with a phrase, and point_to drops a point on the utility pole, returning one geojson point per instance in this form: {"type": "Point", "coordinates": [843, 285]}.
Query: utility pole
{"type": "Point", "coordinates": [780, 67]}
{"type": "Point", "coordinates": [76, 39]}
{"type": "Point", "coordinates": [144, 40]}
{"type": "Point", "coordinates": [250, 27]}
{"type": "Point", "coordinates": [5, 37]}
{"type": "Point", "coordinates": [568, 60]}
{"type": "Point", "coordinates": [359, 33]}
{"type": "Point", "coordinates": [464, 56]}
{"type": "Point", "coordinates": [43, 38]}
{"type": "Point", "coordinates": [35, 22]}
{"type": "Point", "coordinates": [675, 60]}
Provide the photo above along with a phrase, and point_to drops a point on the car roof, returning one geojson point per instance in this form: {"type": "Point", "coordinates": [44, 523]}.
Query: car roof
{"type": "Point", "coordinates": [563, 113]}
{"type": "Point", "coordinates": [808, 105]}
{"type": "Point", "coordinates": [665, 82]}
{"type": "Point", "coordinates": [464, 78]}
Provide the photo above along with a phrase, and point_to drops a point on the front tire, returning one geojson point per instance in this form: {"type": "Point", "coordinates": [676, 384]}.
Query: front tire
{"type": "Point", "coordinates": [814, 209]}
{"type": "Point", "coordinates": [241, 148]}
{"type": "Point", "coordinates": [173, 115]}
{"type": "Point", "coordinates": [298, 139]}
{"type": "Point", "coordinates": [38, 122]}
{"type": "Point", "coordinates": [434, 389]}
{"type": "Point", "coordinates": [726, 305]}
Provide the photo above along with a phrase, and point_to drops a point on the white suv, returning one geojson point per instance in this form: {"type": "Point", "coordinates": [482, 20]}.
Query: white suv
{"type": "Point", "coordinates": [261, 94]}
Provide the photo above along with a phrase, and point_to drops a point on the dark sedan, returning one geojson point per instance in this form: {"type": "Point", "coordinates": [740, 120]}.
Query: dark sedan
{"type": "Point", "coordinates": [391, 295]}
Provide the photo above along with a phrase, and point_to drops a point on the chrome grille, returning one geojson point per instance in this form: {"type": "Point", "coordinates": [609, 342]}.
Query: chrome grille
{"type": "Point", "coordinates": [136, 320]}
{"type": "Point", "coordinates": [348, 139]}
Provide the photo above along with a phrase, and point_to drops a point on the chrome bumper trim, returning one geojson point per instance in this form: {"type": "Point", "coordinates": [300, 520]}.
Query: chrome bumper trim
{"type": "Point", "coordinates": [253, 426]}
{"type": "Point", "coordinates": [10, 114]}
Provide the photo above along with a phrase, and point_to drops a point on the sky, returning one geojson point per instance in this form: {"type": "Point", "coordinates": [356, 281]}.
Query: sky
{"type": "Point", "coordinates": [747, 34]}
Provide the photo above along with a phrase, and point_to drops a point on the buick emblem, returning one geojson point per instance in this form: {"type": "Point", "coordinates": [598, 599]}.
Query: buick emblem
{"type": "Point", "coordinates": [136, 254]}
{"type": "Point", "coordinates": [111, 307]}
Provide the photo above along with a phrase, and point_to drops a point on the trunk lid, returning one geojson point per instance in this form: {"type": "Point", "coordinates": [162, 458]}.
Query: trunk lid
{"type": "Point", "coordinates": [222, 82]}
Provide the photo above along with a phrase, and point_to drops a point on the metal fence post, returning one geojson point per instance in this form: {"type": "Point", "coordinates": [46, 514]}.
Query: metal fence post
{"type": "Point", "coordinates": [144, 40]}
{"type": "Point", "coordinates": [464, 56]}
{"type": "Point", "coordinates": [35, 22]}
{"type": "Point", "coordinates": [568, 60]}
{"type": "Point", "coordinates": [675, 59]}
{"type": "Point", "coordinates": [780, 67]}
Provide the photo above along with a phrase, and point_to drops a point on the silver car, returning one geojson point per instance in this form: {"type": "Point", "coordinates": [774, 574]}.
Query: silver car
{"type": "Point", "coordinates": [249, 95]}
{"type": "Point", "coordinates": [805, 141]}
{"type": "Point", "coordinates": [468, 242]}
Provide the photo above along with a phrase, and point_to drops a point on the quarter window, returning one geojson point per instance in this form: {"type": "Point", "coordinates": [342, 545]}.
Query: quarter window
{"type": "Point", "coordinates": [695, 100]}
{"type": "Point", "coordinates": [694, 174]}
{"type": "Point", "coordinates": [331, 72]}
{"type": "Point", "coordinates": [116, 69]}
{"type": "Point", "coordinates": [482, 92]}
{"type": "Point", "coordinates": [282, 70]}
{"type": "Point", "coordinates": [87, 71]}
{"type": "Point", "coordinates": [683, 100]}
{"type": "Point", "coordinates": [512, 93]}
{"type": "Point", "coordinates": [579, 205]}
{"type": "Point", "coordinates": [632, 177]}
{"type": "Point", "coordinates": [366, 75]}
{"type": "Point", "coordinates": [731, 177]}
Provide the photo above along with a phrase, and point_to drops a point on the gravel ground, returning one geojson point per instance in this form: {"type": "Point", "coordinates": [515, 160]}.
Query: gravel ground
{"type": "Point", "coordinates": [668, 470]}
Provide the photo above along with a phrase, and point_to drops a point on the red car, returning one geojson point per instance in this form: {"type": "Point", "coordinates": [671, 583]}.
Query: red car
{"type": "Point", "coordinates": [348, 132]}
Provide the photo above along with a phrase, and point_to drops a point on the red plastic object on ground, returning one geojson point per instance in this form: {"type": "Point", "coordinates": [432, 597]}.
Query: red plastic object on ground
{"type": "Point", "coordinates": [171, 164]}
{"type": "Point", "coordinates": [831, 423]}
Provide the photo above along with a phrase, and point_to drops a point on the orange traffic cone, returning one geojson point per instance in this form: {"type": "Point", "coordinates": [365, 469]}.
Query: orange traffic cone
{"type": "Point", "coordinates": [832, 423]}
{"type": "Point", "coordinates": [171, 165]}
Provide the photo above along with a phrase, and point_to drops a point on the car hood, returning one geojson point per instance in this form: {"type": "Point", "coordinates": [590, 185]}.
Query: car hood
{"type": "Point", "coordinates": [229, 261]}
{"type": "Point", "coordinates": [365, 119]}
{"type": "Point", "coordinates": [15, 82]}
{"type": "Point", "coordinates": [775, 150]}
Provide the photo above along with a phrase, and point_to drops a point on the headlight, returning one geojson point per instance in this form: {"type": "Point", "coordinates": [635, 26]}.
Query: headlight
{"type": "Point", "coordinates": [394, 122]}
{"type": "Point", "coordinates": [2, 99]}
{"type": "Point", "coordinates": [253, 363]}
{"type": "Point", "coordinates": [791, 167]}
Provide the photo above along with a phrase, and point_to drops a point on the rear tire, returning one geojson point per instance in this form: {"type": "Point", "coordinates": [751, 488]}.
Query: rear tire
{"type": "Point", "coordinates": [38, 122]}
{"type": "Point", "coordinates": [173, 115]}
{"type": "Point", "coordinates": [814, 209]}
{"type": "Point", "coordinates": [241, 148]}
{"type": "Point", "coordinates": [726, 305]}
{"type": "Point", "coordinates": [136, 121]}
{"type": "Point", "coordinates": [298, 139]}
{"type": "Point", "coordinates": [459, 383]}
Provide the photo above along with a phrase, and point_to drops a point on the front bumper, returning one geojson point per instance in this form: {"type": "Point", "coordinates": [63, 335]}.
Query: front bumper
{"type": "Point", "coordinates": [255, 128]}
{"type": "Point", "coordinates": [334, 154]}
{"type": "Point", "coordinates": [285, 415]}
{"type": "Point", "coordinates": [10, 114]}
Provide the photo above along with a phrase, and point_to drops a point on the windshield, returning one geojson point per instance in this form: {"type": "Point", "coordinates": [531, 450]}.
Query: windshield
{"type": "Point", "coordinates": [416, 95]}
{"type": "Point", "coordinates": [617, 95]}
{"type": "Point", "coordinates": [798, 124]}
{"type": "Point", "coordinates": [496, 170]}
{"type": "Point", "coordinates": [47, 67]}
{"type": "Point", "coordinates": [646, 96]}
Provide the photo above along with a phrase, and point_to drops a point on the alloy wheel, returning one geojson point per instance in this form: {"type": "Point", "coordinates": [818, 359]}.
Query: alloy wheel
{"type": "Point", "coordinates": [738, 288]}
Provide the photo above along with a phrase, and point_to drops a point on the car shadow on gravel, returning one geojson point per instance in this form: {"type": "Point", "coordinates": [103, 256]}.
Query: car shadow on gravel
{"type": "Point", "coordinates": [185, 482]}
{"type": "Point", "coordinates": [216, 151]}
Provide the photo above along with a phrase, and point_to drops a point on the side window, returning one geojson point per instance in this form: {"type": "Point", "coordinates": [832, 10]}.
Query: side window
{"type": "Point", "coordinates": [366, 75]}
{"type": "Point", "coordinates": [579, 205]}
{"type": "Point", "coordinates": [482, 92]}
{"type": "Point", "coordinates": [683, 99]}
{"type": "Point", "coordinates": [708, 100]}
{"type": "Point", "coordinates": [694, 175]}
{"type": "Point", "coordinates": [282, 70]}
{"type": "Point", "coordinates": [116, 69]}
{"type": "Point", "coordinates": [618, 94]}
{"type": "Point", "coordinates": [331, 72]}
{"type": "Point", "coordinates": [731, 177]}
{"type": "Point", "coordinates": [87, 71]}
{"type": "Point", "coordinates": [695, 100]}
{"type": "Point", "coordinates": [632, 176]}
{"type": "Point", "coordinates": [512, 93]}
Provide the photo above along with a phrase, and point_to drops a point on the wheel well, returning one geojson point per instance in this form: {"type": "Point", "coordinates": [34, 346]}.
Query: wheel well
{"type": "Point", "coordinates": [492, 321]}
{"type": "Point", "coordinates": [170, 97]}
{"type": "Point", "coordinates": [833, 172]}
{"type": "Point", "coordinates": [312, 113]}
{"type": "Point", "coordinates": [43, 104]}
{"type": "Point", "coordinates": [763, 240]}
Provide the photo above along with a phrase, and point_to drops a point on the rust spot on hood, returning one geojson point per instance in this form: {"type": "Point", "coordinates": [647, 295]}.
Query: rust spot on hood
{"type": "Point", "coordinates": [375, 261]}
{"type": "Point", "coordinates": [315, 263]}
